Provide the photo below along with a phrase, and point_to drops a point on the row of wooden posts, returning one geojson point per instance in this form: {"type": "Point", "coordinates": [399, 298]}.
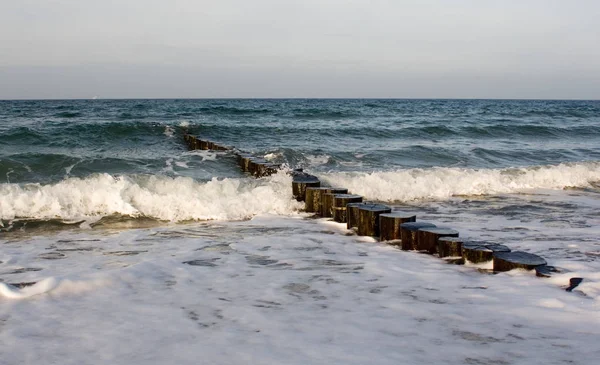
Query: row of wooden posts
{"type": "Point", "coordinates": [403, 230]}
{"type": "Point", "coordinates": [380, 221]}
{"type": "Point", "coordinates": [249, 163]}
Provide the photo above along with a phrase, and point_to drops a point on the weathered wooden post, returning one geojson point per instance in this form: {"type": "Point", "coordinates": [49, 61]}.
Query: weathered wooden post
{"type": "Point", "coordinates": [450, 246]}
{"type": "Point", "coordinates": [389, 224]}
{"type": "Point", "coordinates": [300, 182]}
{"type": "Point", "coordinates": [368, 218]}
{"type": "Point", "coordinates": [338, 206]}
{"type": "Point", "coordinates": [352, 214]}
{"type": "Point", "coordinates": [254, 165]}
{"type": "Point", "coordinates": [313, 199]}
{"type": "Point", "coordinates": [243, 160]}
{"type": "Point", "coordinates": [247, 161]}
{"type": "Point", "coordinates": [259, 166]}
{"type": "Point", "coordinates": [478, 252]}
{"type": "Point", "coordinates": [408, 233]}
{"type": "Point", "coordinates": [428, 238]}
{"type": "Point", "coordinates": [505, 261]}
{"type": "Point", "coordinates": [546, 271]}
{"type": "Point", "coordinates": [203, 145]}
{"type": "Point", "coordinates": [327, 200]}
{"type": "Point", "coordinates": [266, 169]}
{"type": "Point", "coordinates": [218, 147]}
{"type": "Point", "coordinates": [192, 143]}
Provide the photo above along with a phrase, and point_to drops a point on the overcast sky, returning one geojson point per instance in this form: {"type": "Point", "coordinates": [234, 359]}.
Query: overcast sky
{"type": "Point", "coordinates": [300, 48]}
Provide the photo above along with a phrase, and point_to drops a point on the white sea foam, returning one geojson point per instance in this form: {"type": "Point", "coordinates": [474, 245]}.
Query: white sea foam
{"type": "Point", "coordinates": [316, 160]}
{"type": "Point", "coordinates": [442, 183]}
{"type": "Point", "coordinates": [169, 165]}
{"type": "Point", "coordinates": [272, 156]}
{"type": "Point", "coordinates": [169, 131]}
{"type": "Point", "coordinates": [283, 290]}
{"type": "Point", "coordinates": [184, 124]}
{"type": "Point", "coordinates": [160, 197]}
{"type": "Point", "coordinates": [205, 154]}
{"type": "Point", "coordinates": [68, 169]}
{"type": "Point", "coordinates": [42, 286]}
{"type": "Point", "coordinates": [51, 285]}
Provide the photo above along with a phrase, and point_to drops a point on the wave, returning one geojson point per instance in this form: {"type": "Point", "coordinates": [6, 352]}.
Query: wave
{"type": "Point", "coordinates": [443, 182]}
{"type": "Point", "coordinates": [72, 133]}
{"type": "Point", "coordinates": [158, 197]}
{"type": "Point", "coordinates": [20, 134]}
{"type": "Point", "coordinates": [70, 114]}
{"type": "Point", "coordinates": [229, 110]}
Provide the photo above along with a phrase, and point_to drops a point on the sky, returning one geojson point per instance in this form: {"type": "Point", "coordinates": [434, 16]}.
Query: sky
{"type": "Point", "coordinates": [532, 49]}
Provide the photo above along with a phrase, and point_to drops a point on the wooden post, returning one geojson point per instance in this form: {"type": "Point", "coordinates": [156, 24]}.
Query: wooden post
{"type": "Point", "coordinates": [243, 160]}
{"type": "Point", "coordinates": [408, 233]}
{"type": "Point", "coordinates": [267, 169]}
{"type": "Point", "coordinates": [368, 218]}
{"type": "Point", "coordinates": [389, 224]}
{"type": "Point", "coordinates": [450, 246]}
{"type": "Point", "coordinates": [300, 182]}
{"type": "Point", "coordinates": [327, 200]}
{"type": "Point", "coordinates": [203, 145]}
{"type": "Point", "coordinates": [313, 199]}
{"type": "Point", "coordinates": [246, 161]}
{"type": "Point", "coordinates": [505, 261]}
{"type": "Point", "coordinates": [573, 283]}
{"type": "Point", "coordinates": [546, 271]}
{"type": "Point", "coordinates": [428, 238]}
{"type": "Point", "coordinates": [218, 147]}
{"type": "Point", "coordinates": [254, 165]}
{"type": "Point", "coordinates": [192, 143]}
{"type": "Point", "coordinates": [478, 252]}
{"type": "Point", "coordinates": [352, 214]}
{"type": "Point", "coordinates": [260, 168]}
{"type": "Point", "coordinates": [338, 206]}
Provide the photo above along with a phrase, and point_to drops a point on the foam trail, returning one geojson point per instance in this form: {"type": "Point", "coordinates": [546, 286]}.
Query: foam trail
{"type": "Point", "coordinates": [442, 183]}
{"type": "Point", "coordinates": [43, 286]}
{"type": "Point", "coordinates": [160, 197]}
{"type": "Point", "coordinates": [205, 154]}
{"type": "Point", "coordinates": [52, 285]}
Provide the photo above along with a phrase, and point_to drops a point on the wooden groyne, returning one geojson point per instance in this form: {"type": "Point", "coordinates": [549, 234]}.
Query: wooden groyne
{"type": "Point", "coordinates": [255, 166]}
{"type": "Point", "coordinates": [384, 223]}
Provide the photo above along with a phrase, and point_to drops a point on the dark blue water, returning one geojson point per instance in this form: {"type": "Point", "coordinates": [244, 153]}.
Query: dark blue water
{"type": "Point", "coordinates": [44, 141]}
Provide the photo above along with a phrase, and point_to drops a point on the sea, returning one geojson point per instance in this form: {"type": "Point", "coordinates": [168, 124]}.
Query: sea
{"type": "Point", "coordinates": [118, 245]}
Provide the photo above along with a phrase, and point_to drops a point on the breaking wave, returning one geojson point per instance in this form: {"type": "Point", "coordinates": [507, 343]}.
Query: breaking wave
{"type": "Point", "coordinates": [442, 183]}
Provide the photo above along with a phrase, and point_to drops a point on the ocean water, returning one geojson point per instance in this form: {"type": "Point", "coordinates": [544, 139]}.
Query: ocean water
{"type": "Point", "coordinates": [118, 245]}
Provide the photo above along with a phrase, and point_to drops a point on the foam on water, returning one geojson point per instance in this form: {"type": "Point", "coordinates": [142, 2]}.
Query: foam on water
{"type": "Point", "coordinates": [207, 155]}
{"type": "Point", "coordinates": [278, 289]}
{"type": "Point", "coordinates": [442, 183]}
{"type": "Point", "coordinates": [169, 131]}
{"type": "Point", "coordinates": [272, 156]}
{"type": "Point", "coordinates": [315, 160]}
{"type": "Point", "coordinates": [159, 197]}
{"type": "Point", "coordinates": [51, 285]}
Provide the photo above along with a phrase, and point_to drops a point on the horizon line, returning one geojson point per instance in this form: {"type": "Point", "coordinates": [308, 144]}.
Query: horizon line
{"type": "Point", "coordinates": [292, 98]}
